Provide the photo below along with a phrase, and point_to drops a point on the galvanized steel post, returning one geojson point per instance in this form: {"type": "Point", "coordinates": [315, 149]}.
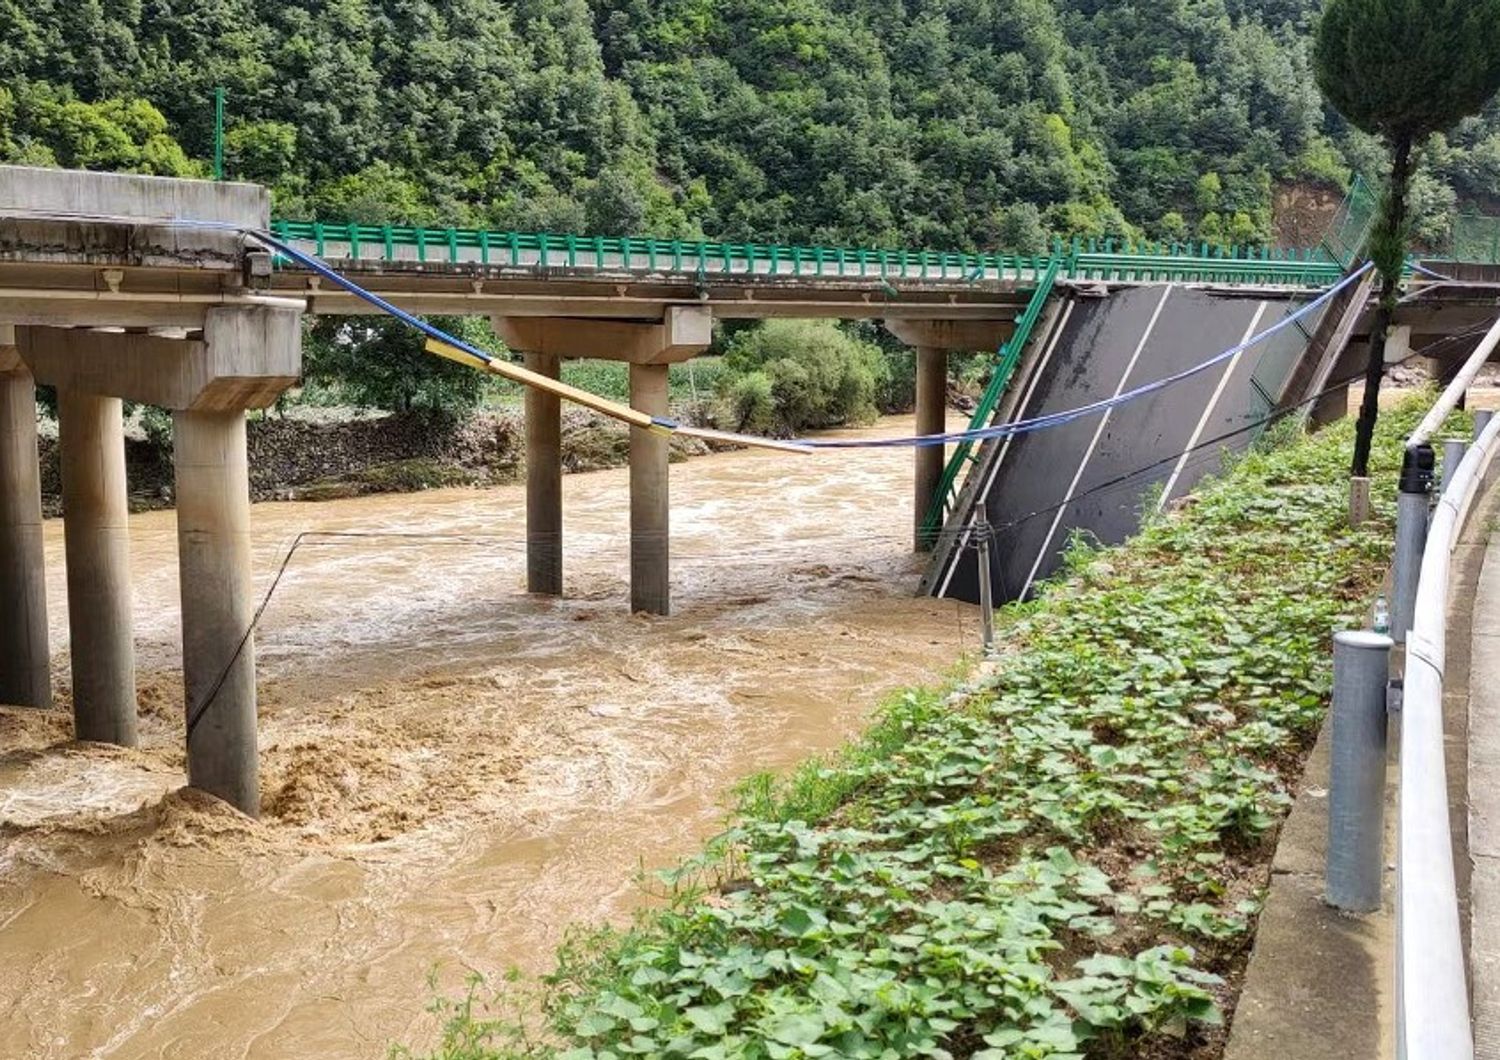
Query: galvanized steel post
{"type": "Point", "coordinates": [1482, 419]}
{"type": "Point", "coordinates": [986, 601]}
{"type": "Point", "coordinates": [1411, 536]}
{"type": "Point", "coordinates": [1356, 789]}
{"type": "Point", "coordinates": [1453, 455]}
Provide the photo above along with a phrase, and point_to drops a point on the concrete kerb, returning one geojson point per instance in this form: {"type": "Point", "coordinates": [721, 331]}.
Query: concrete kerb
{"type": "Point", "coordinates": [1320, 984]}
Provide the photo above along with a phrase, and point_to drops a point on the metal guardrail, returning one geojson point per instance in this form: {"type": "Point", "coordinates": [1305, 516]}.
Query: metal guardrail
{"type": "Point", "coordinates": [1432, 1020]}
{"type": "Point", "coordinates": [343, 244]}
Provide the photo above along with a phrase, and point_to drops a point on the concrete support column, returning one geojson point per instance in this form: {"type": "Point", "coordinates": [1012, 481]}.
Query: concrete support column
{"type": "Point", "coordinates": [96, 534]}
{"type": "Point", "coordinates": [544, 572]}
{"type": "Point", "coordinates": [25, 674]}
{"type": "Point", "coordinates": [218, 651]}
{"type": "Point", "coordinates": [649, 511]}
{"type": "Point", "coordinates": [932, 402]}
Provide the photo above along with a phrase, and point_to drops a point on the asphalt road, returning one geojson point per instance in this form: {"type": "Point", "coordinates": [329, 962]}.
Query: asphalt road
{"type": "Point", "coordinates": [1093, 474]}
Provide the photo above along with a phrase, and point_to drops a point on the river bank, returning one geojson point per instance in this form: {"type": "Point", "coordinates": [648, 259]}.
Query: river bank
{"type": "Point", "coordinates": [320, 454]}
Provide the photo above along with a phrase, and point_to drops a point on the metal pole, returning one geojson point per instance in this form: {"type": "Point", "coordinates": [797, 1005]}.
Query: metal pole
{"type": "Point", "coordinates": [1453, 455]}
{"type": "Point", "coordinates": [1356, 787]}
{"type": "Point", "coordinates": [219, 133]}
{"type": "Point", "coordinates": [1411, 536]}
{"type": "Point", "coordinates": [1482, 419]}
{"type": "Point", "coordinates": [986, 600]}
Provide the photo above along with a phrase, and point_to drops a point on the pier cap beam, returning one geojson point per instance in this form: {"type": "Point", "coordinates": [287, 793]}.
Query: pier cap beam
{"type": "Point", "coordinates": [964, 336]}
{"type": "Point", "coordinates": [245, 359]}
{"type": "Point", "coordinates": [685, 332]}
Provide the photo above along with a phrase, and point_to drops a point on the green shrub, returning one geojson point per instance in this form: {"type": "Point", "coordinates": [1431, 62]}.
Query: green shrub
{"type": "Point", "coordinates": [811, 374]}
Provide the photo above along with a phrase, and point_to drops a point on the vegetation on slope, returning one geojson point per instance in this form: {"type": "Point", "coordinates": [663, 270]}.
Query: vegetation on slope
{"type": "Point", "coordinates": [946, 123]}
{"type": "Point", "coordinates": [1060, 861]}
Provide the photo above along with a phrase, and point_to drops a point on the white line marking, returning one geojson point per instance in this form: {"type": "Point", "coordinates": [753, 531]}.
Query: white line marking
{"type": "Point", "coordinates": [1094, 444]}
{"type": "Point", "coordinates": [1166, 493]}
{"type": "Point", "coordinates": [984, 492]}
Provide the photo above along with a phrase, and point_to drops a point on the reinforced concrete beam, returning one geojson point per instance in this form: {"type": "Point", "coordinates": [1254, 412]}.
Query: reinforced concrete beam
{"type": "Point", "coordinates": [685, 331]}
{"type": "Point", "coordinates": [25, 670]}
{"type": "Point", "coordinates": [245, 359]}
{"type": "Point", "coordinates": [85, 217]}
{"type": "Point", "coordinates": [963, 336]}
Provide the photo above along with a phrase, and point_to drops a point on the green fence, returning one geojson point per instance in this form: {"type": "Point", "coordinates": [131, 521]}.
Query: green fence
{"type": "Point", "coordinates": [1476, 239]}
{"type": "Point", "coordinates": [378, 245]}
{"type": "Point", "coordinates": [1346, 235]}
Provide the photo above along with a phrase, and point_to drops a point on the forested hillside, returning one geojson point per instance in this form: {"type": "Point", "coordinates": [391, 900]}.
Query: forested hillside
{"type": "Point", "coordinates": [951, 123]}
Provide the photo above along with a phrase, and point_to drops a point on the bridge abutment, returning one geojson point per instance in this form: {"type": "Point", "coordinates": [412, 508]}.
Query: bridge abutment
{"type": "Point", "coordinates": [25, 662]}
{"type": "Point", "coordinates": [96, 537]}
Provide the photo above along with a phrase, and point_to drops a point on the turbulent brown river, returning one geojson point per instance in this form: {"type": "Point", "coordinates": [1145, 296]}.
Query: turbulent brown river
{"type": "Point", "coordinates": [453, 772]}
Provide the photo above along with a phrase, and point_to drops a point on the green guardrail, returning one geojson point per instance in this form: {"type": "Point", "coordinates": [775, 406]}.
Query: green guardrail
{"type": "Point", "coordinates": [1090, 260]}
{"type": "Point", "coordinates": [1006, 360]}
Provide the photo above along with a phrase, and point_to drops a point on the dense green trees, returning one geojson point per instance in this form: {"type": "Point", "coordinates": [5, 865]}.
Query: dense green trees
{"type": "Point", "coordinates": [953, 123]}
{"type": "Point", "coordinates": [1403, 70]}
{"type": "Point", "coordinates": [790, 375]}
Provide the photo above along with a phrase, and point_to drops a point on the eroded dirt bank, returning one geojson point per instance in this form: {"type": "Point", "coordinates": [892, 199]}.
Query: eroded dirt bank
{"type": "Point", "coordinates": [453, 772]}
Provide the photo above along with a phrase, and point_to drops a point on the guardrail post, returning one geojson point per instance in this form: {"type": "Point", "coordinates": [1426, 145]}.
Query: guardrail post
{"type": "Point", "coordinates": [1356, 788]}
{"type": "Point", "coordinates": [1453, 455]}
{"type": "Point", "coordinates": [1411, 536]}
{"type": "Point", "coordinates": [986, 602]}
{"type": "Point", "coordinates": [1482, 419]}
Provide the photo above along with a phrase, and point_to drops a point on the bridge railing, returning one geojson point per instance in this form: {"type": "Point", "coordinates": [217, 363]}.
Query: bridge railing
{"type": "Point", "coordinates": [1103, 260]}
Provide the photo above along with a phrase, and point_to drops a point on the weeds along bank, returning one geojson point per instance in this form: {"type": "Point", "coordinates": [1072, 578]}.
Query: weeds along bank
{"type": "Point", "coordinates": [1063, 859]}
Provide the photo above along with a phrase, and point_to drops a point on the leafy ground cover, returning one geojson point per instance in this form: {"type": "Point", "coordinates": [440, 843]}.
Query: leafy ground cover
{"type": "Point", "coordinates": [1062, 859]}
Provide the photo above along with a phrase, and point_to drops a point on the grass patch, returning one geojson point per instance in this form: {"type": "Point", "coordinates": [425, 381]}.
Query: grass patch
{"type": "Point", "coordinates": [1063, 860]}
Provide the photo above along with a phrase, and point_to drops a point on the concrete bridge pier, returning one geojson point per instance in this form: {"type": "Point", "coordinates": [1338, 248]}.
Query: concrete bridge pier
{"type": "Point", "coordinates": [244, 358]}
{"type": "Point", "coordinates": [218, 650]}
{"type": "Point", "coordinates": [544, 571]}
{"type": "Point", "coordinates": [933, 340]}
{"type": "Point", "coordinates": [650, 508]}
{"type": "Point", "coordinates": [649, 348]}
{"type": "Point", "coordinates": [96, 536]}
{"type": "Point", "coordinates": [25, 671]}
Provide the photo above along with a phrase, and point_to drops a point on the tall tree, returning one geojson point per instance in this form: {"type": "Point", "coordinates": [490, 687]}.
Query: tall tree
{"type": "Point", "coordinates": [1402, 70]}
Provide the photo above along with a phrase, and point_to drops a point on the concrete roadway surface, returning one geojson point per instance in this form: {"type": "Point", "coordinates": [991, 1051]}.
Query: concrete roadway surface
{"type": "Point", "coordinates": [1042, 486]}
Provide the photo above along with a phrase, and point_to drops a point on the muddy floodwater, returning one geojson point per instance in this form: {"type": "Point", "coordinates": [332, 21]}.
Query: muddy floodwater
{"type": "Point", "coordinates": [452, 771]}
